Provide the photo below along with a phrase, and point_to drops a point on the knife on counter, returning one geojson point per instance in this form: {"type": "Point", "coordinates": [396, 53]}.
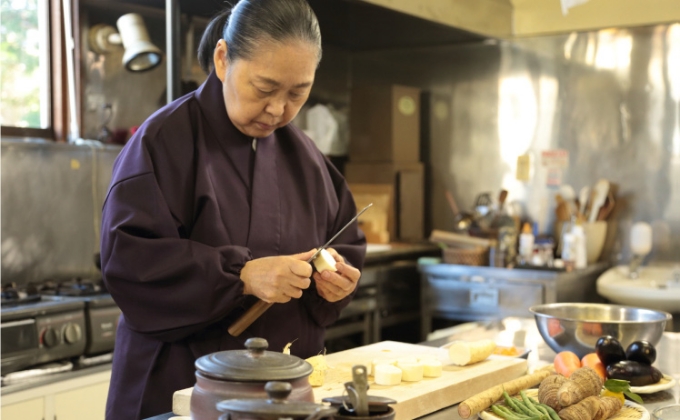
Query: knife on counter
{"type": "Point", "coordinates": [260, 307]}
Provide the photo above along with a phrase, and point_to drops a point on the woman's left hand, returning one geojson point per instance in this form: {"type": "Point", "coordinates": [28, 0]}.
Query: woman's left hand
{"type": "Point", "coordinates": [334, 286]}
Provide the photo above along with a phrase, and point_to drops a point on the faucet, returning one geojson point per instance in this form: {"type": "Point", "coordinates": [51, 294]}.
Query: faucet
{"type": "Point", "coordinates": [641, 245]}
{"type": "Point", "coordinates": [634, 266]}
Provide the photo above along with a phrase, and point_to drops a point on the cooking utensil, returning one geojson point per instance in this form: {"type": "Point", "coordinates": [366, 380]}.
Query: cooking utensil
{"type": "Point", "coordinates": [376, 404]}
{"type": "Point", "coordinates": [462, 220]}
{"type": "Point", "coordinates": [576, 327]}
{"type": "Point", "coordinates": [583, 195]}
{"type": "Point", "coordinates": [260, 307]}
{"type": "Point", "coordinates": [243, 374]}
{"type": "Point", "coordinates": [357, 390]}
{"type": "Point", "coordinates": [275, 407]}
{"type": "Point", "coordinates": [601, 190]}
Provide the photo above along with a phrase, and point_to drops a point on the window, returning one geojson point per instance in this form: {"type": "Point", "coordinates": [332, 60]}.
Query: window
{"type": "Point", "coordinates": [24, 65]}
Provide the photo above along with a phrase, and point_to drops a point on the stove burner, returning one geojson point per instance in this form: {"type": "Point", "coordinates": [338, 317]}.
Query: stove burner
{"type": "Point", "coordinates": [13, 295]}
{"type": "Point", "coordinates": [75, 287]}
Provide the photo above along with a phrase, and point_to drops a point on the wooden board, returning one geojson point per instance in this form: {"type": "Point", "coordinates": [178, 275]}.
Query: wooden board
{"type": "Point", "coordinates": [415, 399]}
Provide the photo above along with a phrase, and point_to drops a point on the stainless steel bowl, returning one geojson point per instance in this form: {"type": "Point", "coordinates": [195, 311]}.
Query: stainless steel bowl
{"type": "Point", "coordinates": [576, 327]}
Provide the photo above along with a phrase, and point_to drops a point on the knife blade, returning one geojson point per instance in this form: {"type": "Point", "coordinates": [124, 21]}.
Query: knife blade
{"type": "Point", "coordinates": [324, 246]}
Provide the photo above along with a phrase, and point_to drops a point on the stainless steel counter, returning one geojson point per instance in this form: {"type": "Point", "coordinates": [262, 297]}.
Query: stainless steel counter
{"type": "Point", "coordinates": [522, 332]}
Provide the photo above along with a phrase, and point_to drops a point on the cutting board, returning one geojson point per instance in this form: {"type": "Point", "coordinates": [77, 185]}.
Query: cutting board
{"type": "Point", "coordinates": [414, 399]}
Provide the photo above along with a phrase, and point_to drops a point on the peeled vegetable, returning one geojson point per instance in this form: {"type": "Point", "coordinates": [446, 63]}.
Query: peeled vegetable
{"type": "Point", "coordinates": [324, 262]}
{"type": "Point", "coordinates": [641, 351]}
{"type": "Point", "coordinates": [464, 353]}
{"type": "Point", "coordinates": [431, 368]}
{"type": "Point", "coordinates": [609, 350]}
{"type": "Point", "coordinates": [385, 374]}
{"type": "Point", "coordinates": [318, 375]}
{"type": "Point", "coordinates": [638, 374]}
{"type": "Point", "coordinates": [411, 371]}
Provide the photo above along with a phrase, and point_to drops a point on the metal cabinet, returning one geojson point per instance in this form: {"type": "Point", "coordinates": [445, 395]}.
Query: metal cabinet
{"type": "Point", "coordinates": [467, 293]}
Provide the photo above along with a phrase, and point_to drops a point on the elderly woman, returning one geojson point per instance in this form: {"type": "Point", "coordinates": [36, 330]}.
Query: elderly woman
{"type": "Point", "coordinates": [218, 202]}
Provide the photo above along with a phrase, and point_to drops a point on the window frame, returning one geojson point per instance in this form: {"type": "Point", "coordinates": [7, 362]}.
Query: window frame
{"type": "Point", "coordinates": [57, 80]}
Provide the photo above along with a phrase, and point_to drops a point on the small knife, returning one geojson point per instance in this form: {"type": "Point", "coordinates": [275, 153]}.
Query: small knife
{"type": "Point", "coordinates": [318, 251]}
{"type": "Point", "coordinates": [261, 306]}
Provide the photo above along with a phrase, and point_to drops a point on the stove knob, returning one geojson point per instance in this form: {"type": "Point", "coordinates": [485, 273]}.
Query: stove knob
{"type": "Point", "coordinates": [50, 337]}
{"type": "Point", "coordinates": [72, 333]}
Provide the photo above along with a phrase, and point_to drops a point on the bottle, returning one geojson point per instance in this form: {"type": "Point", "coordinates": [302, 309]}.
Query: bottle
{"type": "Point", "coordinates": [579, 246]}
{"type": "Point", "coordinates": [526, 244]}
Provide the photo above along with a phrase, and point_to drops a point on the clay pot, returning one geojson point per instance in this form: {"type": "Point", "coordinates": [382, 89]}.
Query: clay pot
{"type": "Point", "coordinates": [243, 374]}
{"type": "Point", "coordinates": [275, 407]}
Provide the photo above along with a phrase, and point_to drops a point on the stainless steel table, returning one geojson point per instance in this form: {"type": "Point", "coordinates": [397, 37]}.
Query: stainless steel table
{"type": "Point", "coordinates": [522, 332]}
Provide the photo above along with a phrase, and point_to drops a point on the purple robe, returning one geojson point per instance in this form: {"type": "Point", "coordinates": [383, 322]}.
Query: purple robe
{"type": "Point", "coordinates": [190, 203]}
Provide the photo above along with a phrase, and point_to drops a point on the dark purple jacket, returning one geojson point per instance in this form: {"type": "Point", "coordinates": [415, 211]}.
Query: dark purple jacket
{"type": "Point", "coordinates": [190, 203]}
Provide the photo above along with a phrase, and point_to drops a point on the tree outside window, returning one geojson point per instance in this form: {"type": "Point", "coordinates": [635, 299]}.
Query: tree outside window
{"type": "Point", "coordinates": [24, 65]}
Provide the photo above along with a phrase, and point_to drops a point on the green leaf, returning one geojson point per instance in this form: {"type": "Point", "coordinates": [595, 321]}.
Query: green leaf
{"type": "Point", "coordinates": [617, 385]}
{"type": "Point", "coordinates": [633, 396]}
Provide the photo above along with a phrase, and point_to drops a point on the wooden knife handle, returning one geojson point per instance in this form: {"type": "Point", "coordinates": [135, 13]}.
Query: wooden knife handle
{"type": "Point", "coordinates": [248, 317]}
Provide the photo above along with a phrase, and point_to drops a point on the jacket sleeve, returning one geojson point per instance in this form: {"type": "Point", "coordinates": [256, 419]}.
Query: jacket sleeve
{"type": "Point", "coordinates": [166, 285]}
{"type": "Point", "coordinates": [351, 244]}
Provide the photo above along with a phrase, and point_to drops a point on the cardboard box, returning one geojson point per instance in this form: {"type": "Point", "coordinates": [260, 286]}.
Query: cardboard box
{"type": "Point", "coordinates": [384, 124]}
{"type": "Point", "coordinates": [409, 201]}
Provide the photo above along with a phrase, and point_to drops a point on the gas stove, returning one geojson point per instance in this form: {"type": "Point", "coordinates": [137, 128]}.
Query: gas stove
{"type": "Point", "coordinates": [56, 320]}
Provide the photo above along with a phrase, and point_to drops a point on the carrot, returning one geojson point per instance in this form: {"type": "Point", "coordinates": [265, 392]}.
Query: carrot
{"type": "Point", "coordinates": [566, 363]}
{"type": "Point", "coordinates": [485, 399]}
{"type": "Point", "coordinates": [592, 361]}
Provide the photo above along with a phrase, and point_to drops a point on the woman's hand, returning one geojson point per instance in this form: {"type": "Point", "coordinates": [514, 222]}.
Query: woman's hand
{"type": "Point", "coordinates": [334, 286]}
{"type": "Point", "coordinates": [277, 279]}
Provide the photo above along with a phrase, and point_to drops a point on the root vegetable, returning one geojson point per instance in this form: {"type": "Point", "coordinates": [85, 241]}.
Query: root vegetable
{"type": "Point", "coordinates": [318, 375]}
{"type": "Point", "coordinates": [547, 391]}
{"type": "Point", "coordinates": [324, 261]}
{"type": "Point", "coordinates": [584, 382]}
{"type": "Point", "coordinates": [592, 360]}
{"type": "Point", "coordinates": [411, 371]}
{"type": "Point", "coordinates": [431, 368]}
{"type": "Point", "coordinates": [585, 409]}
{"type": "Point", "coordinates": [566, 363]}
{"type": "Point", "coordinates": [608, 407]}
{"type": "Point", "coordinates": [484, 400]}
{"type": "Point", "coordinates": [464, 353]}
{"type": "Point", "coordinates": [387, 375]}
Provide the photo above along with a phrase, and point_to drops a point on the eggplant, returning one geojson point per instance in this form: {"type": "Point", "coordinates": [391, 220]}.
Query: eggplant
{"type": "Point", "coordinates": [609, 350]}
{"type": "Point", "coordinates": [638, 374]}
{"type": "Point", "coordinates": [641, 351]}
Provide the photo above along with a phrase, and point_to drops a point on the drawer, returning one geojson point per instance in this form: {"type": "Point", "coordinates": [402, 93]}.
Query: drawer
{"type": "Point", "coordinates": [482, 298]}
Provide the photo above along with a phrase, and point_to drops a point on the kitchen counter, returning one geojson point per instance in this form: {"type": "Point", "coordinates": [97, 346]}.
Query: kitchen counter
{"type": "Point", "coordinates": [379, 253]}
{"type": "Point", "coordinates": [522, 332]}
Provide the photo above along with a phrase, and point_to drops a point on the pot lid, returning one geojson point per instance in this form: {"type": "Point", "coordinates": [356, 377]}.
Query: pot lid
{"type": "Point", "coordinates": [276, 406]}
{"type": "Point", "coordinates": [376, 403]}
{"type": "Point", "coordinates": [255, 364]}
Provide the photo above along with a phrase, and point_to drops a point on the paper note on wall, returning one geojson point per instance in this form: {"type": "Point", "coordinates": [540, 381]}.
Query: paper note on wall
{"type": "Point", "coordinates": [556, 158]}
{"type": "Point", "coordinates": [523, 168]}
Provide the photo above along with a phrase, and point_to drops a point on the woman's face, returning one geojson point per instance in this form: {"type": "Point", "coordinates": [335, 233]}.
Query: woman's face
{"type": "Point", "coordinates": [267, 91]}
